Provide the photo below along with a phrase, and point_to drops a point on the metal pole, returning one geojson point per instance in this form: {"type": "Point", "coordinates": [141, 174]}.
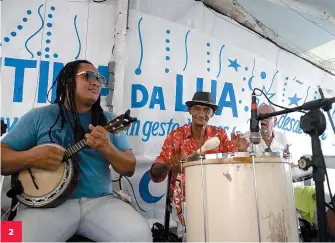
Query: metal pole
{"type": "Point", "coordinates": [203, 196]}
{"type": "Point", "coordinates": [256, 195]}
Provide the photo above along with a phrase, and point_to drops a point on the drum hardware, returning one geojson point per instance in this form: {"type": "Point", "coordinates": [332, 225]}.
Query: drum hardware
{"type": "Point", "coordinates": [252, 154]}
{"type": "Point", "coordinates": [204, 208]}
{"type": "Point", "coordinates": [286, 153]}
{"type": "Point", "coordinates": [303, 178]}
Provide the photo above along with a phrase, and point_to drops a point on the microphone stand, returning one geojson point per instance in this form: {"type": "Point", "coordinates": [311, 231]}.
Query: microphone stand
{"type": "Point", "coordinates": [328, 113]}
{"type": "Point", "coordinates": [313, 123]}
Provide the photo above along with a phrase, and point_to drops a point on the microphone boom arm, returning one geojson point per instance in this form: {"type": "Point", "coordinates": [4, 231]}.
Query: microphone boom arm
{"type": "Point", "coordinates": [276, 113]}
{"type": "Point", "coordinates": [325, 104]}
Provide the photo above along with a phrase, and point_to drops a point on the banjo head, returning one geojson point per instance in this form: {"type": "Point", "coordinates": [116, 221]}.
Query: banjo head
{"type": "Point", "coordinates": [51, 184]}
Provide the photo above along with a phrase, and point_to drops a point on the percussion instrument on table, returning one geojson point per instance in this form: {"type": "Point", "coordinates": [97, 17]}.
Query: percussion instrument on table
{"type": "Point", "coordinates": [238, 197]}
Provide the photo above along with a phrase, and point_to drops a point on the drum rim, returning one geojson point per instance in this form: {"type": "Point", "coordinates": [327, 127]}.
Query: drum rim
{"type": "Point", "coordinates": [67, 175]}
{"type": "Point", "coordinates": [58, 191]}
{"type": "Point", "coordinates": [234, 154]}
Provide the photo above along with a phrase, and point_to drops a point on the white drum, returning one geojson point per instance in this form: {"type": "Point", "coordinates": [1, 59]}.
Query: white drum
{"type": "Point", "coordinates": [231, 211]}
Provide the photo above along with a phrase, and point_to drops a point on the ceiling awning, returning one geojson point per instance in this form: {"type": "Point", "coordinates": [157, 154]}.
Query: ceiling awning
{"type": "Point", "coordinates": [305, 28]}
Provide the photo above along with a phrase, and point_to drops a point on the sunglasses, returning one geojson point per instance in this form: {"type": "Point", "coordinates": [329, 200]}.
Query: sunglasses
{"type": "Point", "coordinates": [93, 76]}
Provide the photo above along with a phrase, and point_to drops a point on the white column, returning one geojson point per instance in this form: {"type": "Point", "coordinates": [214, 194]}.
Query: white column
{"type": "Point", "coordinates": [120, 43]}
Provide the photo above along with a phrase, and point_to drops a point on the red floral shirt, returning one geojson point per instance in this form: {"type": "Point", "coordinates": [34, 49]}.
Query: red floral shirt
{"type": "Point", "coordinates": [180, 141]}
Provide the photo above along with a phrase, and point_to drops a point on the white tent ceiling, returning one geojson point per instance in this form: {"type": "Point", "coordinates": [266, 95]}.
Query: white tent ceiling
{"type": "Point", "coordinates": [303, 27]}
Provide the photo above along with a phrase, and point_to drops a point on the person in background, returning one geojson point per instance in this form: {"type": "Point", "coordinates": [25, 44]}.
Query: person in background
{"type": "Point", "coordinates": [305, 199]}
{"type": "Point", "coordinates": [272, 139]}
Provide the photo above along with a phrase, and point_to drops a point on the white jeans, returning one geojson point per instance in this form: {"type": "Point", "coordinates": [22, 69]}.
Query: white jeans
{"type": "Point", "coordinates": [103, 219]}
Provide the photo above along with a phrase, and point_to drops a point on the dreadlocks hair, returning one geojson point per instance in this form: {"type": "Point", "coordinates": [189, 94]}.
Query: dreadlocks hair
{"type": "Point", "coordinates": [66, 87]}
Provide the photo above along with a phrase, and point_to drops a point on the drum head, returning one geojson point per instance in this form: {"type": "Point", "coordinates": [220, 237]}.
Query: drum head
{"type": "Point", "coordinates": [37, 200]}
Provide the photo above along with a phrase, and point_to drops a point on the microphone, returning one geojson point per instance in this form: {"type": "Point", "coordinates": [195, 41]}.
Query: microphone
{"type": "Point", "coordinates": [210, 144]}
{"type": "Point", "coordinates": [255, 136]}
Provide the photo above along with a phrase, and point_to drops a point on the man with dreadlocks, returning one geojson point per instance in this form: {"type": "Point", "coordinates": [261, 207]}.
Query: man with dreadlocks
{"type": "Point", "coordinates": [92, 211]}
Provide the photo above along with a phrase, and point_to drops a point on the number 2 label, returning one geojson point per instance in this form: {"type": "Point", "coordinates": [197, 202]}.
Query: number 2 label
{"type": "Point", "coordinates": [11, 231]}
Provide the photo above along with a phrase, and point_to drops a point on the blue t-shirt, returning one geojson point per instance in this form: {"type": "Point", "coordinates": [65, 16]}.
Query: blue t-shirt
{"type": "Point", "coordinates": [33, 128]}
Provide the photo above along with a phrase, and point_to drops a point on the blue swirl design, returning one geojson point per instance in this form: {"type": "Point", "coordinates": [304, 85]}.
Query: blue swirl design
{"type": "Point", "coordinates": [186, 53]}
{"type": "Point", "coordinates": [138, 70]}
{"type": "Point", "coordinates": [307, 93]}
{"type": "Point", "coordinates": [26, 43]}
{"type": "Point", "coordinates": [79, 42]}
{"type": "Point", "coordinates": [273, 78]}
{"type": "Point", "coordinates": [220, 60]}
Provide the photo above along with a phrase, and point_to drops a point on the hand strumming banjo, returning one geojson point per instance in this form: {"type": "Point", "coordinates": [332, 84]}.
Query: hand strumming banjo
{"type": "Point", "coordinates": [42, 188]}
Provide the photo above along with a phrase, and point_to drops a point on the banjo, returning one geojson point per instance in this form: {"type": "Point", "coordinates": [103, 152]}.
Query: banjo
{"type": "Point", "coordinates": [39, 188]}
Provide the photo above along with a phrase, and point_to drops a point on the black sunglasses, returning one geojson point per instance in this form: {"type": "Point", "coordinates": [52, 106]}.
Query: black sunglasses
{"type": "Point", "coordinates": [93, 76]}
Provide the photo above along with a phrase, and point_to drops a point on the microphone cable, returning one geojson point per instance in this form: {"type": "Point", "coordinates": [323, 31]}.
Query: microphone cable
{"type": "Point", "coordinates": [132, 188]}
{"type": "Point", "coordinates": [279, 106]}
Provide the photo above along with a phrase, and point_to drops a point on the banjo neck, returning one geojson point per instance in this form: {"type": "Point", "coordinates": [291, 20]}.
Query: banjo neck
{"type": "Point", "coordinates": [119, 123]}
{"type": "Point", "coordinates": [69, 152]}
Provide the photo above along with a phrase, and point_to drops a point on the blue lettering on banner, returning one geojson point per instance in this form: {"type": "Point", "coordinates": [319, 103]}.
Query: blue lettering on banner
{"type": "Point", "coordinates": [227, 98]}
{"type": "Point", "coordinates": [148, 129]}
{"type": "Point", "coordinates": [103, 70]}
{"type": "Point", "coordinates": [213, 90]}
{"type": "Point", "coordinates": [43, 82]}
{"type": "Point", "coordinates": [10, 122]}
{"type": "Point", "coordinates": [157, 97]}
{"type": "Point", "coordinates": [140, 96]}
{"type": "Point", "coordinates": [179, 104]}
{"type": "Point", "coordinates": [20, 65]}
{"type": "Point", "coordinates": [57, 67]}
{"type": "Point", "coordinates": [135, 103]}
{"type": "Point", "coordinates": [144, 189]}
{"type": "Point", "coordinates": [228, 90]}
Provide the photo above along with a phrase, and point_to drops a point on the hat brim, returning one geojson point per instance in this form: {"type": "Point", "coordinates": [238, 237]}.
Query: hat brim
{"type": "Point", "coordinates": [204, 103]}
